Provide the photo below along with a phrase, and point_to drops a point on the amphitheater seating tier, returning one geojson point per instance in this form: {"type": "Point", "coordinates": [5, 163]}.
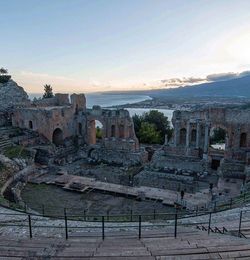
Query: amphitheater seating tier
{"type": "Point", "coordinates": [196, 245]}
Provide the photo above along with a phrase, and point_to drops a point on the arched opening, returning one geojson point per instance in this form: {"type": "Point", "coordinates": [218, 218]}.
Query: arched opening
{"type": "Point", "coordinates": [218, 138]}
{"type": "Point", "coordinates": [183, 133]}
{"type": "Point", "coordinates": [99, 130]}
{"type": "Point", "coordinates": [215, 164]}
{"type": "Point", "coordinates": [57, 137]}
{"type": "Point", "coordinates": [79, 128]}
{"type": "Point", "coordinates": [113, 131]}
{"type": "Point", "coordinates": [76, 110]}
{"type": "Point", "coordinates": [193, 136]}
{"type": "Point", "coordinates": [30, 125]}
{"type": "Point", "coordinates": [121, 131]}
{"type": "Point", "coordinates": [243, 140]}
{"type": "Point", "coordinates": [96, 132]}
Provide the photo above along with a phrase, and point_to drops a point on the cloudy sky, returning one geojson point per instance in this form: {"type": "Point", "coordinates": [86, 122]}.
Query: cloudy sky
{"type": "Point", "coordinates": [100, 45]}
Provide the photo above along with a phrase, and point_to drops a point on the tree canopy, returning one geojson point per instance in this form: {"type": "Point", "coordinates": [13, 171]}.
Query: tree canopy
{"type": "Point", "coordinates": [4, 77]}
{"type": "Point", "coordinates": [152, 127]}
{"type": "Point", "coordinates": [48, 91]}
{"type": "Point", "coordinates": [218, 136]}
{"type": "Point", "coordinates": [3, 71]}
{"type": "Point", "coordinates": [98, 132]}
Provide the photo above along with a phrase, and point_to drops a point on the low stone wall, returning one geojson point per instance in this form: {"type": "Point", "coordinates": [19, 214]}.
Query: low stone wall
{"type": "Point", "coordinates": [165, 181]}
{"type": "Point", "coordinates": [162, 161]}
{"type": "Point", "coordinates": [118, 157]}
{"type": "Point", "coordinates": [232, 169]}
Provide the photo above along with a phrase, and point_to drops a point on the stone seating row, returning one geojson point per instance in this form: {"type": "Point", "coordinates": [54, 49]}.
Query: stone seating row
{"type": "Point", "coordinates": [195, 245]}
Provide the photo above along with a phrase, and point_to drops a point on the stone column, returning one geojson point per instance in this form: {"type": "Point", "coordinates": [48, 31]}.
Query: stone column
{"type": "Point", "coordinates": [197, 134]}
{"type": "Point", "coordinates": [188, 135]}
{"type": "Point", "coordinates": [176, 133]}
{"type": "Point", "coordinates": [206, 143]}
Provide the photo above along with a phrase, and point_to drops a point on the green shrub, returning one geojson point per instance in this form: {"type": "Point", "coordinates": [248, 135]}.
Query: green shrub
{"type": "Point", "coordinates": [4, 78]}
{"type": "Point", "coordinates": [151, 127]}
{"type": "Point", "coordinates": [16, 152]}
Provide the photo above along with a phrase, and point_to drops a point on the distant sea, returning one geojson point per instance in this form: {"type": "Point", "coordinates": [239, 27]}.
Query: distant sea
{"type": "Point", "coordinates": [109, 99]}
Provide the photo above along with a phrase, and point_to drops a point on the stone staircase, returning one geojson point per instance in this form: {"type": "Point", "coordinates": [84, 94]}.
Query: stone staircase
{"type": "Point", "coordinates": [187, 246]}
{"type": "Point", "coordinates": [5, 142]}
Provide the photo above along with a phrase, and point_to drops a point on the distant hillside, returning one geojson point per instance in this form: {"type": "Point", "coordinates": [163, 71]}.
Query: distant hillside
{"type": "Point", "coordinates": [239, 87]}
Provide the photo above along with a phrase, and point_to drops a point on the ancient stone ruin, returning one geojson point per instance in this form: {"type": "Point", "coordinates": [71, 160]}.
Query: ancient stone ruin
{"type": "Point", "coordinates": [66, 122]}
{"type": "Point", "coordinates": [192, 134]}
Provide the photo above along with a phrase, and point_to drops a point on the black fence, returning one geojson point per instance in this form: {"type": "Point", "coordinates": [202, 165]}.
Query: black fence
{"type": "Point", "coordinates": [69, 226]}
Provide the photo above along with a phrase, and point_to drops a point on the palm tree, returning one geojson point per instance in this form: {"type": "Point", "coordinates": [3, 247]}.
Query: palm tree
{"type": "Point", "coordinates": [48, 91]}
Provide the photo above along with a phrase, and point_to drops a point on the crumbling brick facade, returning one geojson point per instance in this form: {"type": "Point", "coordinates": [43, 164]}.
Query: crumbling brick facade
{"type": "Point", "coordinates": [59, 119]}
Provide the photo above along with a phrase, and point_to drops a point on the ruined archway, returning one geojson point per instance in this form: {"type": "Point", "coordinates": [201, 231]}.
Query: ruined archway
{"type": "Point", "coordinates": [30, 124]}
{"type": "Point", "coordinates": [121, 131]}
{"type": "Point", "coordinates": [183, 133]}
{"type": "Point", "coordinates": [218, 138]}
{"type": "Point", "coordinates": [193, 137]}
{"type": "Point", "coordinates": [80, 128]}
{"type": "Point", "coordinates": [99, 130]}
{"type": "Point", "coordinates": [57, 137]}
{"type": "Point", "coordinates": [243, 140]}
{"type": "Point", "coordinates": [217, 141]}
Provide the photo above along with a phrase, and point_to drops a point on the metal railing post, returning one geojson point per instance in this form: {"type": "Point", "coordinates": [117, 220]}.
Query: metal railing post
{"type": "Point", "coordinates": [103, 234]}
{"type": "Point", "coordinates": [175, 225]}
{"type": "Point", "coordinates": [139, 226]}
{"type": "Point", "coordinates": [209, 223]}
{"type": "Point", "coordinates": [66, 224]}
{"type": "Point", "coordinates": [239, 231]}
{"type": "Point", "coordinates": [30, 228]}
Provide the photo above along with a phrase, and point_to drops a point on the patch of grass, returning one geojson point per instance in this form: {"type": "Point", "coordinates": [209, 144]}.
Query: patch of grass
{"type": "Point", "coordinates": [16, 152]}
{"type": "Point", "coordinates": [3, 201]}
{"type": "Point", "coordinates": [16, 133]}
{"type": "Point", "coordinates": [2, 167]}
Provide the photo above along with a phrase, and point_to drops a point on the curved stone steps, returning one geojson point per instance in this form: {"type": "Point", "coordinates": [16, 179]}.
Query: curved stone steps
{"type": "Point", "coordinates": [190, 246]}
